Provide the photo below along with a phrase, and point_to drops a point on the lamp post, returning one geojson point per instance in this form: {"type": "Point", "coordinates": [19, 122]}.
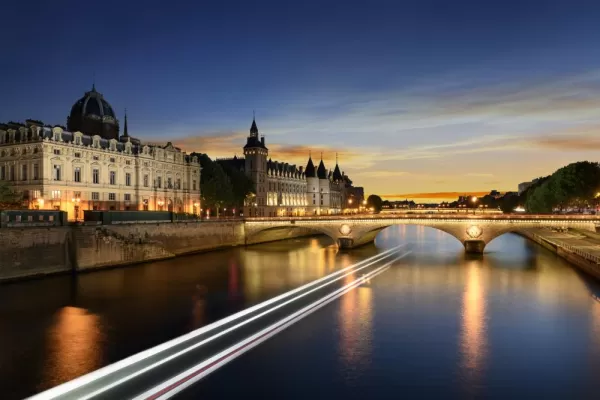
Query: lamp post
{"type": "Point", "coordinates": [474, 199]}
{"type": "Point", "coordinates": [196, 205]}
{"type": "Point", "coordinates": [76, 201]}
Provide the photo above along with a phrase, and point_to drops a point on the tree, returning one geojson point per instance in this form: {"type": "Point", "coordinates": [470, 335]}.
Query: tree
{"type": "Point", "coordinates": [375, 202]}
{"type": "Point", "coordinates": [241, 184]}
{"type": "Point", "coordinates": [215, 186]}
{"type": "Point", "coordinates": [574, 185]}
{"type": "Point", "coordinates": [9, 199]}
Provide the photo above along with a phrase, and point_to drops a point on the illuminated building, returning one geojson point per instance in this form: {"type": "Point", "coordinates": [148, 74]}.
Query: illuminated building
{"type": "Point", "coordinates": [91, 167]}
{"type": "Point", "coordinates": [284, 189]}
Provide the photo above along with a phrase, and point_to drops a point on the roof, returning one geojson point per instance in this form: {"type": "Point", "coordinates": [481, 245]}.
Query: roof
{"type": "Point", "coordinates": [322, 171]}
{"type": "Point", "coordinates": [310, 169]}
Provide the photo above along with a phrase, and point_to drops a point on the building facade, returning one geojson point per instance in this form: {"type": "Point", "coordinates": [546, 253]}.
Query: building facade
{"type": "Point", "coordinates": [283, 189]}
{"type": "Point", "coordinates": [86, 169]}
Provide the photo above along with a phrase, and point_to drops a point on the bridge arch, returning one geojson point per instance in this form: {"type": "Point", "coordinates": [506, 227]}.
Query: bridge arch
{"type": "Point", "coordinates": [368, 235]}
{"type": "Point", "coordinates": [271, 232]}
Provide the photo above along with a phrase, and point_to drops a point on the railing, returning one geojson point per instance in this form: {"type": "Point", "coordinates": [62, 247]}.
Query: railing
{"type": "Point", "coordinates": [572, 249]}
{"type": "Point", "coordinates": [453, 216]}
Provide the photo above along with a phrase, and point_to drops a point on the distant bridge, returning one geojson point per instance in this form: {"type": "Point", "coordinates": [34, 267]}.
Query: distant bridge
{"type": "Point", "coordinates": [473, 231]}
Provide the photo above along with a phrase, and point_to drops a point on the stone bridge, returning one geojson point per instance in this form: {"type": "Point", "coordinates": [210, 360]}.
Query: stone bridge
{"type": "Point", "coordinates": [473, 231]}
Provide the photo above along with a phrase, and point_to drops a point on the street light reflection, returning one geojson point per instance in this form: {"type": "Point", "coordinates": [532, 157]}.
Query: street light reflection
{"type": "Point", "coordinates": [75, 345]}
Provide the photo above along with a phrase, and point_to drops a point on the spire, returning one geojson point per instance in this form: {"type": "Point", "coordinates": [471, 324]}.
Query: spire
{"type": "Point", "coordinates": [253, 128]}
{"type": "Point", "coordinates": [125, 133]}
{"type": "Point", "coordinates": [321, 156]}
{"type": "Point", "coordinates": [337, 175]}
{"type": "Point", "coordinates": [322, 171]}
{"type": "Point", "coordinates": [310, 168]}
{"type": "Point", "coordinates": [94, 82]}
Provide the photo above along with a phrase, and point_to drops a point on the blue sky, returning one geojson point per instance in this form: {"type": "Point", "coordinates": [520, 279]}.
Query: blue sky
{"type": "Point", "coordinates": [418, 97]}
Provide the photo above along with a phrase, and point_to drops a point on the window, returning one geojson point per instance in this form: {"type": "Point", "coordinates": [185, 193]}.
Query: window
{"type": "Point", "coordinates": [128, 162]}
{"type": "Point", "coordinates": [113, 178]}
{"type": "Point", "coordinates": [3, 172]}
{"type": "Point", "coordinates": [127, 196]}
{"type": "Point", "coordinates": [178, 183]}
{"type": "Point", "coordinates": [96, 176]}
{"type": "Point", "coordinates": [95, 196]}
{"type": "Point", "coordinates": [57, 152]}
{"type": "Point", "coordinates": [96, 158]}
{"type": "Point", "coordinates": [127, 179]}
{"type": "Point", "coordinates": [24, 172]}
{"type": "Point", "coordinates": [314, 203]}
{"type": "Point", "coordinates": [194, 184]}
{"type": "Point", "coordinates": [112, 159]}
{"type": "Point", "coordinates": [112, 196]}
{"type": "Point", "coordinates": [12, 173]}
{"type": "Point", "coordinates": [145, 180]}
{"type": "Point", "coordinates": [169, 183]}
{"type": "Point", "coordinates": [77, 174]}
{"type": "Point", "coordinates": [55, 194]}
{"type": "Point", "coordinates": [77, 195]}
{"type": "Point", "coordinates": [159, 182]}
{"type": "Point", "coordinates": [36, 172]}
{"type": "Point", "coordinates": [56, 172]}
{"type": "Point", "coordinates": [77, 155]}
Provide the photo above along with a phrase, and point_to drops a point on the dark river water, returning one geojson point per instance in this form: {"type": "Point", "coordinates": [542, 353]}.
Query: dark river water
{"type": "Point", "coordinates": [516, 323]}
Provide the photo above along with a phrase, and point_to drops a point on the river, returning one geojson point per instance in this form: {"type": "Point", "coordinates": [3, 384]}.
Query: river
{"type": "Point", "coordinates": [516, 323]}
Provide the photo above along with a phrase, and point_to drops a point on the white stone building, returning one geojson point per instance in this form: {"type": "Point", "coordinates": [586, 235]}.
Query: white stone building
{"type": "Point", "coordinates": [284, 189]}
{"type": "Point", "coordinates": [80, 170]}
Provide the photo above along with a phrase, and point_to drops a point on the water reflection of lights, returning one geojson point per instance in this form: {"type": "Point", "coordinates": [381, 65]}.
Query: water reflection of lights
{"type": "Point", "coordinates": [595, 323]}
{"type": "Point", "coordinates": [75, 345]}
{"type": "Point", "coordinates": [356, 329]}
{"type": "Point", "coordinates": [473, 337]}
{"type": "Point", "coordinates": [273, 271]}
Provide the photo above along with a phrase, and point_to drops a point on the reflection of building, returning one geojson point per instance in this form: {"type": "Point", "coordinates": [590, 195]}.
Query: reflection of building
{"type": "Point", "coordinates": [283, 189]}
{"type": "Point", "coordinates": [91, 167]}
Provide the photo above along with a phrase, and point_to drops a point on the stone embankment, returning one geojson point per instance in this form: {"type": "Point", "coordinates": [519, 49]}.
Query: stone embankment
{"type": "Point", "coordinates": [36, 251]}
{"type": "Point", "coordinates": [581, 248]}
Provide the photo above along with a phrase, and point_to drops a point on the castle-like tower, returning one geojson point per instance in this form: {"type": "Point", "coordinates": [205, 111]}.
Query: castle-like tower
{"type": "Point", "coordinates": [255, 154]}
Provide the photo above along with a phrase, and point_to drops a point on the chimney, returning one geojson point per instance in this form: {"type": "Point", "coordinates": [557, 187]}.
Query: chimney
{"type": "Point", "coordinates": [262, 140]}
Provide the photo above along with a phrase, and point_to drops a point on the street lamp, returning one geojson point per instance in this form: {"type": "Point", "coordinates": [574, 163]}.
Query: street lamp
{"type": "Point", "coordinates": [76, 201]}
{"type": "Point", "coordinates": [474, 200]}
{"type": "Point", "coordinates": [160, 205]}
{"type": "Point", "coordinates": [40, 202]}
{"type": "Point", "coordinates": [196, 204]}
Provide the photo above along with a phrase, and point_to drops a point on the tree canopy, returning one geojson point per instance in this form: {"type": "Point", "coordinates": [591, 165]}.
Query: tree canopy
{"type": "Point", "coordinates": [222, 185]}
{"type": "Point", "coordinates": [9, 199]}
{"type": "Point", "coordinates": [375, 202]}
{"type": "Point", "coordinates": [575, 185]}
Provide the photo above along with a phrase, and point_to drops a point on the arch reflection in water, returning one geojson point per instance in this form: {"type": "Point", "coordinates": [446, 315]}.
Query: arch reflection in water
{"type": "Point", "coordinates": [75, 345]}
{"type": "Point", "coordinates": [281, 269]}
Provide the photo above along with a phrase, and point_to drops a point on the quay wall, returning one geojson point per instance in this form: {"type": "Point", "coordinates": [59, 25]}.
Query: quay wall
{"type": "Point", "coordinates": [36, 251]}
{"type": "Point", "coordinates": [584, 262]}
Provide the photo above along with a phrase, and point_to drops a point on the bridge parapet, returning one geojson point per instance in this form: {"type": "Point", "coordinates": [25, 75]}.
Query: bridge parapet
{"type": "Point", "coordinates": [474, 232]}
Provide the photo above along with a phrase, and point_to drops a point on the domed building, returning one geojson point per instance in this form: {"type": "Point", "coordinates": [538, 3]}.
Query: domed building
{"type": "Point", "coordinates": [93, 115]}
{"type": "Point", "coordinates": [88, 166]}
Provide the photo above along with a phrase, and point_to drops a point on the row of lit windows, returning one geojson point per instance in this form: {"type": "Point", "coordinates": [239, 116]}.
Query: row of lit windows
{"type": "Point", "coordinates": [10, 172]}
{"type": "Point", "coordinates": [57, 176]}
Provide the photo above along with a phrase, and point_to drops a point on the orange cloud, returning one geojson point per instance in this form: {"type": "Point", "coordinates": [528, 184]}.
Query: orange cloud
{"type": "Point", "coordinates": [433, 195]}
{"type": "Point", "coordinates": [576, 143]}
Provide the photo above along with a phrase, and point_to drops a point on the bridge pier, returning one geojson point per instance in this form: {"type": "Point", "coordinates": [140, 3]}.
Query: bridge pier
{"type": "Point", "coordinates": [474, 246]}
{"type": "Point", "coordinates": [345, 243]}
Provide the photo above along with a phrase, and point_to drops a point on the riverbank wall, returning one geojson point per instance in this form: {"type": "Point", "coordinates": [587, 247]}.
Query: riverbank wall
{"type": "Point", "coordinates": [36, 251]}
{"type": "Point", "coordinates": [581, 255]}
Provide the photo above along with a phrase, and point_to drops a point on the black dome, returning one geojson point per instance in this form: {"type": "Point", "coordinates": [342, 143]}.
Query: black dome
{"type": "Point", "coordinates": [93, 115]}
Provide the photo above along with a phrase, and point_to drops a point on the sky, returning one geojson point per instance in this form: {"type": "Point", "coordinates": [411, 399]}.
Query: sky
{"type": "Point", "coordinates": [421, 99]}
